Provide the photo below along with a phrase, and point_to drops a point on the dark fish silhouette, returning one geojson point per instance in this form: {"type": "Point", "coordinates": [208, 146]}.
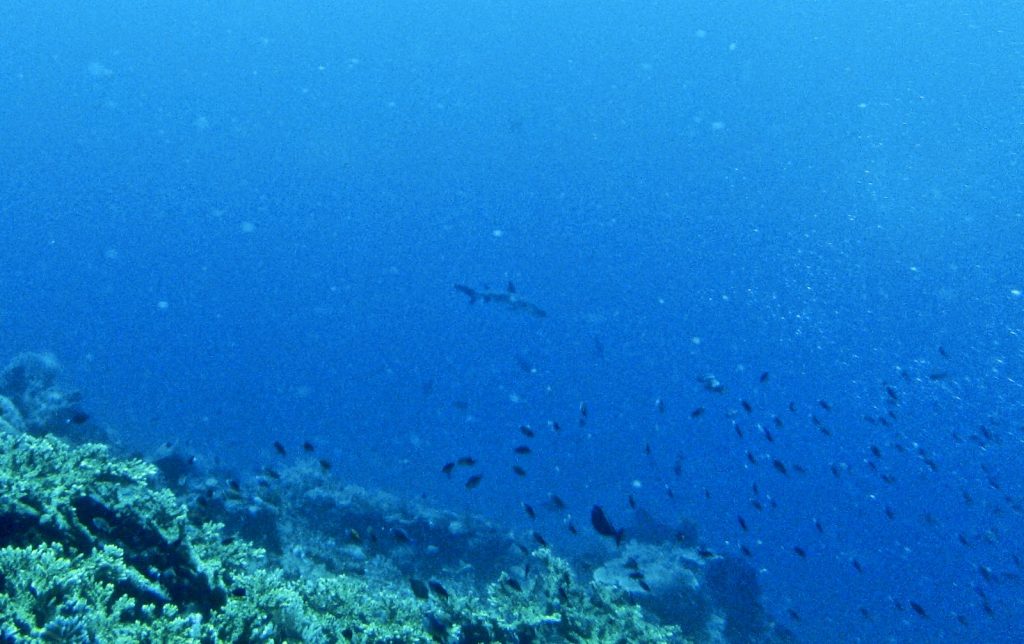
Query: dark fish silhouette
{"type": "Point", "coordinates": [509, 298]}
{"type": "Point", "coordinates": [419, 589]}
{"type": "Point", "coordinates": [603, 526]}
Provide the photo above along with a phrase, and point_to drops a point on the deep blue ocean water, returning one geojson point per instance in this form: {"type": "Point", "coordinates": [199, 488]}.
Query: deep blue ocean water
{"type": "Point", "coordinates": [241, 222]}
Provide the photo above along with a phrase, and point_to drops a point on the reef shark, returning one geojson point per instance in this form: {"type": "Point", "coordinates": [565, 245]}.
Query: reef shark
{"type": "Point", "coordinates": [508, 297]}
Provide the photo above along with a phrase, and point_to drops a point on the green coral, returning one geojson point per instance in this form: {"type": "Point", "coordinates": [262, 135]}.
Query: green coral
{"type": "Point", "coordinates": [92, 550]}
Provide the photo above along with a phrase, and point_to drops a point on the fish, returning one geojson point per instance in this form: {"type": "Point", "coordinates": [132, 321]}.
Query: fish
{"type": "Point", "coordinates": [438, 590]}
{"type": "Point", "coordinates": [522, 450]}
{"type": "Point", "coordinates": [78, 417]}
{"type": "Point", "coordinates": [527, 431]}
{"type": "Point", "coordinates": [419, 589]}
{"type": "Point", "coordinates": [279, 448]}
{"type": "Point", "coordinates": [307, 446]}
{"type": "Point", "coordinates": [800, 552]}
{"type": "Point", "coordinates": [919, 610]}
{"type": "Point", "coordinates": [509, 298]}
{"type": "Point", "coordinates": [711, 383]}
{"type": "Point", "coordinates": [473, 481]}
{"type": "Point", "coordinates": [603, 526]}
{"type": "Point", "coordinates": [466, 461]}
{"type": "Point", "coordinates": [518, 470]}
{"type": "Point", "coordinates": [325, 465]}
{"type": "Point", "coordinates": [780, 467]}
{"type": "Point", "coordinates": [556, 502]}
{"type": "Point", "coordinates": [514, 585]}
{"type": "Point", "coordinates": [447, 469]}
{"type": "Point", "coordinates": [764, 377]}
{"type": "Point", "coordinates": [530, 512]}
{"type": "Point", "coordinates": [743, 523]}
{"type": "Point", "coordinates": [539, 538]}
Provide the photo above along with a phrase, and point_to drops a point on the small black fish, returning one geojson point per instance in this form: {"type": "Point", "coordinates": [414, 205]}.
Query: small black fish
{"type": "Point", "coordinates": [857, 565]}
{"type": "Point", "coordinates": [325, 465]}
{"type": "Point", "coordinates": [279, 448]}
{"type": "Point", "coordinates": [466, 461]}
{"type": "Point", "coordinates": [643, 584]}
{"type": "Point", "coordinates": [919, 610]}
{"type": "Point", "coordinates": [603, 526]}
{"type": "Point", "coordinates": [522, 450]}
{"type": "Point", "coordinates": [795, 616]}
{"type": "Point", "coordinates": [530, 512]}
{"type": "Point", "coordinates": [518, 470]}
{"type": "Point", "coordinates": [632, 502]}
{"type": "Point", "coordinates": [307, 446]}
{"type": "Point", "coordinates": [746, 551]}
{"type": "Point", "coordinates": [747, 407]}
{"type": "Point", "coordinates": [539, 538]}
{"type": "Point", "coordinates": [272, 473]}
{"type": "Point", "coordinates": [438, 589]}
{"type": "Point", "coordinates": [556, 501]}
{"type": "Point", "coordinates": [764, 377]}
{"type": "Point", "coordinates": [514, 585]}
{"type": "Point", "coordinates": [447, 469]}
{"type": "Point", "coordinates": [767, 434]}
{"type": "Point", "coordinates": [234, 485]}
{"type": "Point", "coordinates": [474, 481]}
{"type": "Point", "coordinates": [697, 413]}
{"type": "Point", "coordinates": [401, 536]}
{"type": "Point", "coordinates": [555, 425]}
{"type": "Point", "coordinates": [800, 552]}
{"type": "Point", "coordinates": [78, 417]}
{"type": "Point", "coordinates": [824, 404]}
{"type": "Point", "coordinates": [780, 467]}
{"type": "Point", "coordinates": [817, 526]}
{"type": "Point", "coordinates": [526, 431]}
{"type": "Point", "coordinates": [419, 589]}
{"type": "Point", "coordinates": [743, 523]}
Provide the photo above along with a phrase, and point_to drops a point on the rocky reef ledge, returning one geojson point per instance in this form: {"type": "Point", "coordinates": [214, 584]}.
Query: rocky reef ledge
{"type": "Point", "coordinates": [99, 547]}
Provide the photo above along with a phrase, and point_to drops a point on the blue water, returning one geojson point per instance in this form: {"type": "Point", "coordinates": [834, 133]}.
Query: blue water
{"type": "Point", "coordinates": [241, 222]}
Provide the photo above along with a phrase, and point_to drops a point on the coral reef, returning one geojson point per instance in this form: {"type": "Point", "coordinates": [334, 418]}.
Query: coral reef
{"type": "Point", "coordinates": [96, 548]}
